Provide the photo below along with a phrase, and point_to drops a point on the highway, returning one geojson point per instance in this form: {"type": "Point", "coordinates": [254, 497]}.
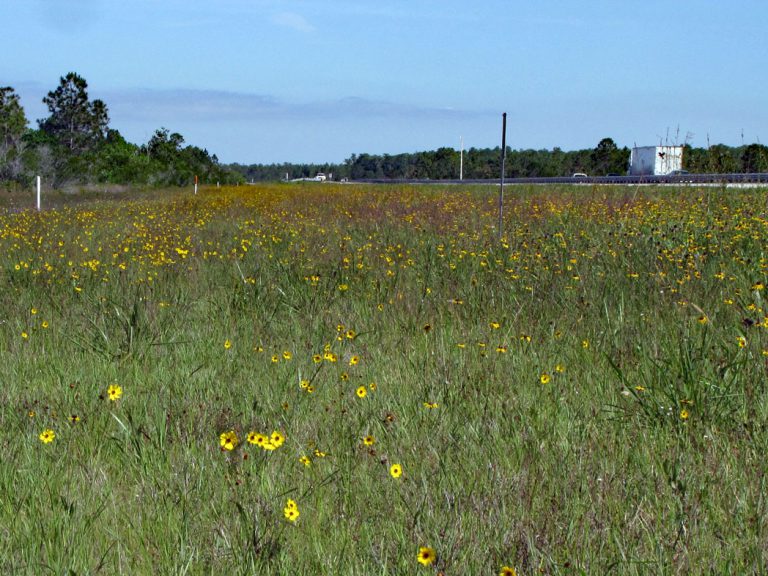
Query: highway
{"type": "Point", "coordinates": [724, 179]}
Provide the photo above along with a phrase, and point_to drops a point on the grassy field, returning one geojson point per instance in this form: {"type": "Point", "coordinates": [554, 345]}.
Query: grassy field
{"type": "Point", "coordinates": [321, 379]}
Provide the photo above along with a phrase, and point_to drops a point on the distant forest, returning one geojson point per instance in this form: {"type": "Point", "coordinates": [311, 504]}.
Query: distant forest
{"type": "Point", "coordinates": [606, 158]}
{"type": "Point", "coordinates": [75, 145]}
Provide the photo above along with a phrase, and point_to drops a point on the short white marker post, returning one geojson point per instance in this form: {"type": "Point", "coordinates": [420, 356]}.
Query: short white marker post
{"type": "Point", "coordinates": [195, 184]}
{"type": "Point", "coordinates": [38, 193]}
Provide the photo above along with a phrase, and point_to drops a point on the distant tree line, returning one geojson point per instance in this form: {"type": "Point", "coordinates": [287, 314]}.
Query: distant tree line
{"type": "Point", "coordinates": [722, 159]}
{"type": "Point", "coordinates": [75, 145]}
{"type": "Point", "coordinates": [606, 158]}
{"type": "Point", "coordinates": [443, 163]}
{"type": "Point", "coordinates": [287, 170]}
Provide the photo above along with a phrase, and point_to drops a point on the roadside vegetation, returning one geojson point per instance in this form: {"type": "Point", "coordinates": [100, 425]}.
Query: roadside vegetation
{"type": "Point", "coordinates": [321, 379]}
{"type": "Point", "coordinates": [74, 147]}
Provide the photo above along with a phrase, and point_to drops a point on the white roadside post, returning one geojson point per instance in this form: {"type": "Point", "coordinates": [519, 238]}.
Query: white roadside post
{"type": "Point", "coordinates": [195, 185]}
{"type": "Point", "coordinates": [37, 203]}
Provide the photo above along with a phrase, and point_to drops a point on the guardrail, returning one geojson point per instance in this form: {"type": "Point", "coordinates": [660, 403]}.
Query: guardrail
{"type": "Point", "coordinates": [749, 178]}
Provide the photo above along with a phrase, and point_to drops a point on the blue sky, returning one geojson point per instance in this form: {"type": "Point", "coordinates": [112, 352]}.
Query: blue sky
{"type": "Point", "coordinates": [310, 81]}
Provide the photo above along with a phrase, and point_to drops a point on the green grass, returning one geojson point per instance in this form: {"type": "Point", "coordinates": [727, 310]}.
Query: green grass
{"type": "Point", "coordinates": [633, 302]}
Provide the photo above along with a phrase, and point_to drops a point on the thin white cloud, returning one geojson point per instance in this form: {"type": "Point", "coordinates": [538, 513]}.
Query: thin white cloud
{"type": "Point", "coordinates": [356, 107]}
{"type": "Point", "coordinates": [215, 105]}
{"type": "Point", "coordinates": [69, 17]}
{"type": "Point", "coordinates": [165, 106]}
{"type": "Point", "coordinates": [188, 105]}
{"type": "Point", "coordinates": [292, 20]}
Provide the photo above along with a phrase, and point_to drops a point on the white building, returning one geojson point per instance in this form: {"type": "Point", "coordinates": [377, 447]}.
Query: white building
{"type": "Point", "coordinates": [655, 160]}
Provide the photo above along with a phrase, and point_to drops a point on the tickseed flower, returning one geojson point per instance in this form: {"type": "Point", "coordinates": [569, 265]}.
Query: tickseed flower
{"type": "Point", "coordinates": [33, 311]}
{"type": "Point", "coordinates": [287, 355]}
{"type": "Point", "coordinates": [305, 460]}
{"type": "Point", "coordinates": [703, 319]}
{"type": "Point", "coordinates": [354, 360]}
{"type": "Point", "coordinates": [507, 571]}
{"type": "Point", "coordinates": [585, 344]}
{"type": "Point", "coordinates": [684, 414]}
{"type": "Point", "coordinates": [44, 324]}
{"type": "Point", "coordinates": [74, 418]}
{"type": "Point", "coordinates": [252, 437]}
{"type": "Point", "coordinates": [361, 392]}
{"type": "Point", "coordinates": [501, 349]}
{"type": "Point", "coordinates": [426, 555]}
{"type": "Point", "coordinates": [559, 368]}
{"type": "Point", "coordinates": [277, 439]}
{"type": "Point", "coordinates": [395, 470]}
{"type": "Point", "coordinates": [742, 342]}
{"type": "Point", "coordinates": [227, 344]}
{"type": "Point", "coordinates": [430, 405]}
{"type": "Point", "coordinates": [351, 334]}
{"type": "Point", "coordinates": [228, 440]}
{"type": "Point", "coordinates": [494, 325]}
{"type": "Point", "coordinates": [114, 392]}
{"type": "Point", "coordinates": [291, 511]}
{"type": "Point", "coordinates": [47, 436]}
{"type": "Point", "coordinates": [369, 440]}
{"type": "Point", "coordinates": [343, 287]}
{"type": "Point", "coordinates": [24, 335]}
{"type": "Point", "coordinates": [545, 378]}
{"type": "Point", "coordinates": [258, 439]}
{"type": "Point", "coordinates": [343, 376]}
{"type": "Point", "coordinates": [317, 358]}
{"type": "Point", "coordinates": [372, 386]}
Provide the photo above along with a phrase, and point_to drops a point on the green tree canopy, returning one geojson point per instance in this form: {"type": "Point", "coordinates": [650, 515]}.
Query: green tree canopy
{"type": "Point", "coordinates": [75, 123]}
{"type": "Point", "coordinates": [754, 158]}
{"type": "Point", "coordinates": [13, 125]}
